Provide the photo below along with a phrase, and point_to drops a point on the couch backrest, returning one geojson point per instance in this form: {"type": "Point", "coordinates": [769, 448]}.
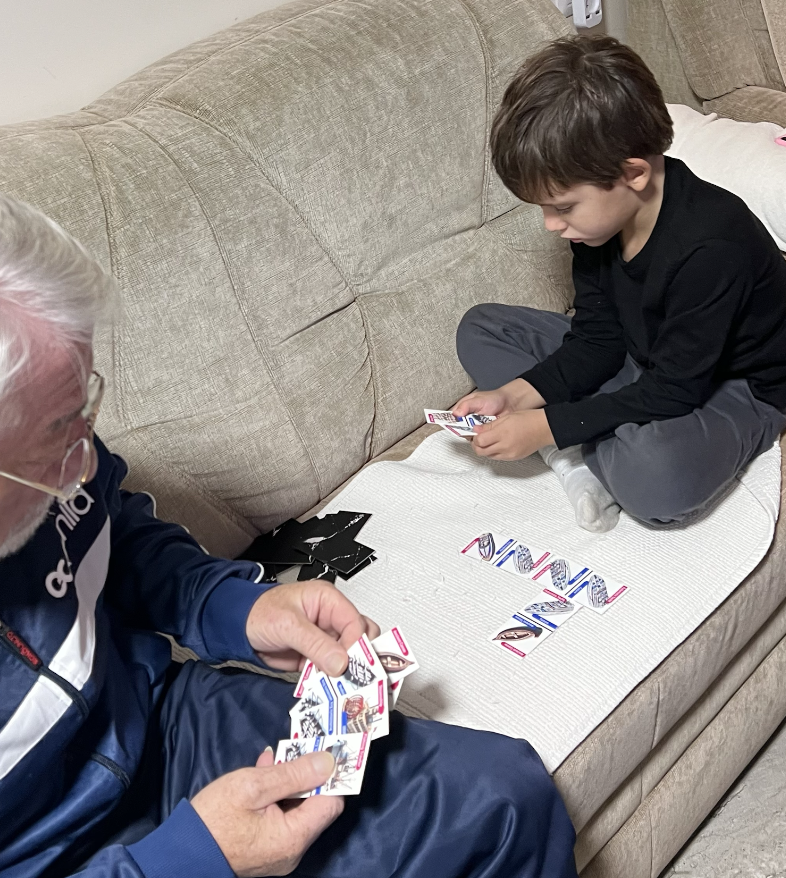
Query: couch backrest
{"type": "Point", "coordinates": [298, 211]}
{"type": "Point", "coordinates": [728, 56]}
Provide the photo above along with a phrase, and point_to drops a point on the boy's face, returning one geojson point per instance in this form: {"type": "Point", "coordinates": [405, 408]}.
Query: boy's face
{"type": "Point", "coordinates": [589, 213]}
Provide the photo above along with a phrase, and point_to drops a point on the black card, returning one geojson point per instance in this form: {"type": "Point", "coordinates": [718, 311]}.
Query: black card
{"type": "Point", "coordinates": [278, 546]}
{"type": "Point", "coordinates": [317, 530]}
{"type": "Point", "coordinates": [317, 570]}
{"type": "Point", "coordinates": [361, 566]}
{"type": "Point", "coordinates": [341, 553]}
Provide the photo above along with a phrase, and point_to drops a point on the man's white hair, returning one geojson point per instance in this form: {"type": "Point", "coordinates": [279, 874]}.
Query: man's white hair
{"type": "Point", "coordinates": [48, 283]}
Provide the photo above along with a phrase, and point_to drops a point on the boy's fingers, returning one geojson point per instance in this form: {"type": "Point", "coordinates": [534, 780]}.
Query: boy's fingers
{"type": "Point", "coordinates": [463, 406]}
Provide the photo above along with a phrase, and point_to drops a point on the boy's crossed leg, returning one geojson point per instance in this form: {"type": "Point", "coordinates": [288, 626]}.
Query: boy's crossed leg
{"type": "Point", "coordinates": [497, 343]}
{"type": "Point", "coordinates": [659, 472]}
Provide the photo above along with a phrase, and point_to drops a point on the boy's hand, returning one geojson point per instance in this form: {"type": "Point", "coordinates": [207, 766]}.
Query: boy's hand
{"type": "Point", "coordinates": [515, 396]}
{"type": "Point", "coordinates": [513, 436]}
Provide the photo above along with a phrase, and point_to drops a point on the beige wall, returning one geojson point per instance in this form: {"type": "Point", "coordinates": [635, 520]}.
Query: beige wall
{"type": "Point", "coordinates": [58, 55]}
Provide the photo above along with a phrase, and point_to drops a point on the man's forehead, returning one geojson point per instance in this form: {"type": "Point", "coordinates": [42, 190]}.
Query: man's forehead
{"type": "Point", "coordinates": [55, 385]}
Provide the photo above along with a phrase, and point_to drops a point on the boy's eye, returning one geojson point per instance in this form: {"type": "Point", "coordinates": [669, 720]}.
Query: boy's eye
{"type": "Point", "coordinates": [563, 209]}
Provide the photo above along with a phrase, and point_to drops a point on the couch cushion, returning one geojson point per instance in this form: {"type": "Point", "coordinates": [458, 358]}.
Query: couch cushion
{"type": "Point", "coordinates": [298, 212]}
{"type": "Point", "coordinates": [775, 15]}
{"type": "Point", "coordinates": [723, 46]}
{"type": "Point", "coordinates": [750, 104]}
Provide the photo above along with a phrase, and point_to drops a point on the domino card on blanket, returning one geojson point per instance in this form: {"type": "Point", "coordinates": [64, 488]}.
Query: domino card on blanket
{"type": "Point", "coordinates": [567, 587]}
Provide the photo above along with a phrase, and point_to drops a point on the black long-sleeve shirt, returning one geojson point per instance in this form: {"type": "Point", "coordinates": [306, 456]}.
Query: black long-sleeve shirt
{"type": "Point", "coordinates": [702, 302]}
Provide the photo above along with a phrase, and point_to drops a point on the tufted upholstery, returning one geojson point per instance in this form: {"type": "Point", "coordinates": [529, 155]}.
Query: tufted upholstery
{"type": "Point", "coordinates": [298, 211]}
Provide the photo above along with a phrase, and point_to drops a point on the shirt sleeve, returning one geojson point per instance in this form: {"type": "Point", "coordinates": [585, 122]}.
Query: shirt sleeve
{"type": "Point", "coordinates": [593, 350]}
{"type": "Point", "coordinates": [180, 846]}
{"type": "Point", "coordinates": [702, 300]}
{"type": "Point", "coordinates": [160, 578]}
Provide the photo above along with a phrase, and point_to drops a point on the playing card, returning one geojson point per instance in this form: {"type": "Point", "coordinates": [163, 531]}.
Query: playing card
{"type": "Point", "coordinates": [366, 710]}
{"type": "Point", "coordinates": [488, 547]}
{"type": "Point", "coordinates": [317, 570]}
{"type": "Point", "coordinates": [363, 669]}
{"type": "Point", "coordinates": [550, 609]}
{"type": "Point", "coordinates": [597, 593]}
{"type": "Point", "coordinates": [559, 573]}
{"type": "Point", "coordinates": [519, 635]}
{"type": "Point", "coordinates": [350, 752]}
{"type": "Point", "coordinates": [277, 546]}
{"type": "Point", "coordinates": [320, 529]}
{"type": "Point", "coordinates": [522, 558]}
{"type": "Point", "coordinates": [361, 566]}
{"type": "Point", "coordinates": [341, 553]}
{"type": "Point", "coordinates": [317, 711]}
{"type": "Point", "coordinates": [397, 658]}
{"type": "Point", "coordinates": [459, 425]}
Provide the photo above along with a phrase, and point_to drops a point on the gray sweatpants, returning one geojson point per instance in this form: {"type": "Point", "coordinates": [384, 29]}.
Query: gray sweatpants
{"type": "Point", "coordinates": [658, 472]}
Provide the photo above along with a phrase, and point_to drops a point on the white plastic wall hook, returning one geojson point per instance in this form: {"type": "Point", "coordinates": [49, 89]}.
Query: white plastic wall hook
{"type": "Point", "coordinates": [565, 7]}
{"type": "Point", "coordinates": [587, 13]}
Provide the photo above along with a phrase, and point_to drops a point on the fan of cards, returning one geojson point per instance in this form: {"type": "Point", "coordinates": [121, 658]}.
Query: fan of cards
{"type": "Point", "coordinates": [463, 426]}
{"type": "Point", "coordinates": [567, 586]}
{"type": "Point", "coordinates": [343, 715]}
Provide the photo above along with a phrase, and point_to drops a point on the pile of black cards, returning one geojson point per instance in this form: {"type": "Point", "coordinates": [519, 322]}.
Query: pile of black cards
{"type": "Point", "coordinates": [345, 714]}
{"type": "Point", "coordinates": [325, 547]}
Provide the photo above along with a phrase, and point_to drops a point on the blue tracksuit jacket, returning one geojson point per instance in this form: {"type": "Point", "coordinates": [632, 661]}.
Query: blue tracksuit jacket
{"type": "Point", "coordinates": [81, 669]}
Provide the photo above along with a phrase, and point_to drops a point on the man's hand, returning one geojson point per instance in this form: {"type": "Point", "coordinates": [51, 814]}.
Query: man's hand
{"type": "Point", "coordinates": [515, 396]}
{"type": "Point", "coordinates": [513, 436]}
{"type": "Point", "coordinates": [257, 836]}
{"type": "Point", "coordinates": [306, 620]}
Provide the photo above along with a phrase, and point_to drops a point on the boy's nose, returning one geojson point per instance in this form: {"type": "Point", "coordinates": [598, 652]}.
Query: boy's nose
{"type": "Point", "coordinates": [554, 224]}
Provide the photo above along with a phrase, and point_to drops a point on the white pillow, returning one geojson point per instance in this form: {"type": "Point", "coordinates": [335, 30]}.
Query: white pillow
{"type": "Point", "coordinates": [739, 156]}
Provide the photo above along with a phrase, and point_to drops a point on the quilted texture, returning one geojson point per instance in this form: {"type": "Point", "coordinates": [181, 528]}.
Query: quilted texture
{"type": "Point", "coordinates": [706, 54]}
{"type": "Point", "coordinates": [298, 211]}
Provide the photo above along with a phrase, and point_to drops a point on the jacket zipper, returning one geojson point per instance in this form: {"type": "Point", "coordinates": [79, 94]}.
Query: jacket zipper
{"type": "Point", "coordinates": [17, 647]}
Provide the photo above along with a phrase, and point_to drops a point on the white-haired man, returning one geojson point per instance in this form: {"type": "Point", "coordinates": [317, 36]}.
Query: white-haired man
{"type": "Point", "coordinates": [114, 760]}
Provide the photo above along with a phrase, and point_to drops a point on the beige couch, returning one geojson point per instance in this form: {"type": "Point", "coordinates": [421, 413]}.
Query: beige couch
{"type": "Point", "coordinates": [298, 211]}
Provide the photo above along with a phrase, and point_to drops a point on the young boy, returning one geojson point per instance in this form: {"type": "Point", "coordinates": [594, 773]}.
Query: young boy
{"type": "Point", "coordinates": [671, 376]}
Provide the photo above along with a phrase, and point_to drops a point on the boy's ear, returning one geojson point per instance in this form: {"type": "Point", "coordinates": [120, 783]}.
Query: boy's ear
{"type": "Point", "coordinates": [636, 173]}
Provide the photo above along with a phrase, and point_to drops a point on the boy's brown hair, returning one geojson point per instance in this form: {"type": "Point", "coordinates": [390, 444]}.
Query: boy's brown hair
{"type": "Point", "coordinates": [573, 113]}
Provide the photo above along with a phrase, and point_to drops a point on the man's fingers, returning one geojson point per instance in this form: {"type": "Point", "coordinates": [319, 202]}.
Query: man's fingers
{"type": "Point", "coordinates": [311, 817]}
{"type": "Point", "coordinates": [337, 613]}
{"type": "Point", "coordinates": [321, 648]}
{"type": "Point", "coordinates": [265, 759]}
{"type": "Point", "coordinates": [276, 782]}
{"type": "Point", "coordinates": [372, 629]}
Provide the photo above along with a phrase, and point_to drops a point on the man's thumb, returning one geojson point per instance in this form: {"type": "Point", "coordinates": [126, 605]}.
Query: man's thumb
{"type": "Point", "coordinates": [302, 775]}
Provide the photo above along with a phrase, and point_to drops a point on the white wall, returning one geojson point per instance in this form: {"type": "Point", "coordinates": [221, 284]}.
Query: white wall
{"type": "Point", "coordinates": [58, 55]}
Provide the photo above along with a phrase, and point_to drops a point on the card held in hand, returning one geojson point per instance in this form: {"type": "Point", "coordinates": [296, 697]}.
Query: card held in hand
{"type": "Point", "coordinates": [350, 752]}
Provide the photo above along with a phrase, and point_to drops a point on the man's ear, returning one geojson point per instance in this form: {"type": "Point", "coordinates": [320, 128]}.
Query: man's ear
{"type": "Point", "coordinates": [636, 174]}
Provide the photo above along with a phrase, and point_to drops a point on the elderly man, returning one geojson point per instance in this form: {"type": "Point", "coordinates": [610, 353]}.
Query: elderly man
{"type": "Point", "coordinates": [117, 761]}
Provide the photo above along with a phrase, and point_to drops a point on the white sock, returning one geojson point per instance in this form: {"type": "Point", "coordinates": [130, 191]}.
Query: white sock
{"type": "Point", "coordinates": [596, 510]}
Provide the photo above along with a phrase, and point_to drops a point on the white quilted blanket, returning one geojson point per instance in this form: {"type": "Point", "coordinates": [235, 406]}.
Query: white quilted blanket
{"type": "Point", "coordinates": [429, 506]}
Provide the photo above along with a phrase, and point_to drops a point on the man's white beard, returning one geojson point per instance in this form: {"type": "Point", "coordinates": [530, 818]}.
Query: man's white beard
{"type": "Point", "coordinates": [25, 530]}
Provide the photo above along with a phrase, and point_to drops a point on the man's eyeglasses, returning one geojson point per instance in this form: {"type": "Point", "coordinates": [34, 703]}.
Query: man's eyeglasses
{"type": "Point", "coordinates": [75, 467]}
